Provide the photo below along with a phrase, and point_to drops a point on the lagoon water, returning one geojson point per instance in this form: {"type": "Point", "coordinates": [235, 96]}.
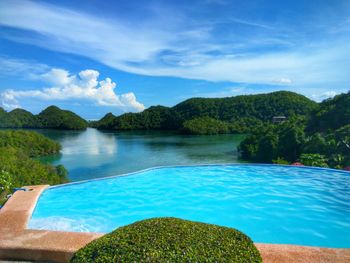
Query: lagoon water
{"type": "Point", "coordinates": [93, 154]}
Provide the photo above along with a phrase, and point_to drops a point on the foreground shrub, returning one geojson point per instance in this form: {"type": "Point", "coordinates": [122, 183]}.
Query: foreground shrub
{"type": "Point", "coordinates": [314, 159]}
{"type": "Point", "coordinates": [170, 240]}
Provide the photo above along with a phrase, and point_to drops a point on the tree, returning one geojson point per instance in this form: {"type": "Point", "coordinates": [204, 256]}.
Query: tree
{"type": "Point", "coordinates": [267, 148]}
{"type": "Point", "coordinates": [291, 139]}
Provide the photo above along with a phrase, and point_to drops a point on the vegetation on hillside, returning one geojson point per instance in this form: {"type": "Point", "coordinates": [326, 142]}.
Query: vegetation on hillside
{"type": "Point", "coordinates": [31, 143]}
{"type": "Point", "coordinates": [17, 118]}
{"type": "Point", "coordinates": [331, 115]}
{"type": "Point", "coordinates": [205, 125]}
{"type": "Point", "coordinates": [239, 114]}
{"type": "Point", "coordinates": [55, 118]}
{"type": "Point", "coordinates": [16, 166]}
{"type": "Point", "coordinates": [321, 139]}
{"type": "Point", "coordinates": [50, 118]}
{"type": "Point", "coordinates": [170, 240]}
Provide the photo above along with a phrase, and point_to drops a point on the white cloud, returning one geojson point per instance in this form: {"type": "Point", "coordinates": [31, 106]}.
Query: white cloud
{"type": "Point", "coordinates": [324, 95]}
{"type": "Point", "coordinates": [84, 86]}
{"type": "Point", "coordinates": [23, 68]}
{"type": "Point", "coordinates": [283, 81]}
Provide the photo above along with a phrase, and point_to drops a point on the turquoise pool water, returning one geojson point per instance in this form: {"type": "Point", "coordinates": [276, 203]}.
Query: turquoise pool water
{"type": "Point", "coordinates": [272, 204]}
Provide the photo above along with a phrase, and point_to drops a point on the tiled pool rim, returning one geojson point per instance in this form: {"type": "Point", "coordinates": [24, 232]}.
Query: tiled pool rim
{"type": "Point", "coordinates": [19, 243]}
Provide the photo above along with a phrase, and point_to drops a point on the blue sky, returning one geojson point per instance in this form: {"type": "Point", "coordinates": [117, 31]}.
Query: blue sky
{"type": "Point", "coordinates": [95, 57]}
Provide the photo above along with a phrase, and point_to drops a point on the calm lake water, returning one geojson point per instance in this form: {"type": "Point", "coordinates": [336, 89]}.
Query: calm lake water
{"type": "Point", "coordinates": [93, 153]}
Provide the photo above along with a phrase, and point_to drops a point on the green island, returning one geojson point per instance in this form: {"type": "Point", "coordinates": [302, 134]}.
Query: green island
{"type": "Point", "coordinates": [17, 166]}
{"type": "Point", "coordinates": [170, 240]}
{"type": "Point", "coordinates": [50, 118]}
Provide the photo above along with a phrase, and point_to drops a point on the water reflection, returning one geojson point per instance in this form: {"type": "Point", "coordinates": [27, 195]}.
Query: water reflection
{"type": "Point", "coordinates": [91, 142]}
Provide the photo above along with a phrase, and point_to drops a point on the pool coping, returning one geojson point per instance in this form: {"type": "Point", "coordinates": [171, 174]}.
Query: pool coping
{"type": "Point", "coordinates": [19, 243]}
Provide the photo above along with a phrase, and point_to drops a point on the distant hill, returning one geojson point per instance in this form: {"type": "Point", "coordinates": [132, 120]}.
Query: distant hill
{"type": "Point", "coordinates": [55, 118]}
{"type": "Point", "coordinates": [51, 118]}
{"type": "Point", "coordinates": [239, 113]}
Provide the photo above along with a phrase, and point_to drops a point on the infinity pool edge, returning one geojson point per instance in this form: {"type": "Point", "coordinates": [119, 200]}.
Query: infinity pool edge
{"type": "Point", "coordinates": [196, 165]}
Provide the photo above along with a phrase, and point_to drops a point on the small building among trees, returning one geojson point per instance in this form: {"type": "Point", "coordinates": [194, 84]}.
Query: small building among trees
{"type": "Point", "coordinates": [279, 119]}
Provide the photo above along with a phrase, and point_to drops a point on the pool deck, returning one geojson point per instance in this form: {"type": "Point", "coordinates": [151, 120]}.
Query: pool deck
{"type": "Point", "coordinates": [19, 243]}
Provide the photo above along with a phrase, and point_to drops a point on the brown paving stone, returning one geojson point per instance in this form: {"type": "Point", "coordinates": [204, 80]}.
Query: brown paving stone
{"type": "Point", "coordinates": [19, 243]}
{"type": "Point", "coordinates": [272, 253]}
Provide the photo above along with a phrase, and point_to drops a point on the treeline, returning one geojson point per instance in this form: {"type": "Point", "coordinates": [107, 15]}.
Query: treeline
{"type": "Point", "coordinates": [17, 168]}
{"type": "Point", "coordinates": [213, 115]}
{"type": "Point", "coordinates": [320, 139]}
{"type": "Point", "coordinates": [50, 118]}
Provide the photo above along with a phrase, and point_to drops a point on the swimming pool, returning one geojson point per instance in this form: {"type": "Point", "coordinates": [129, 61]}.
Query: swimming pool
{"type": "Point", "coordinates": [270, 203]}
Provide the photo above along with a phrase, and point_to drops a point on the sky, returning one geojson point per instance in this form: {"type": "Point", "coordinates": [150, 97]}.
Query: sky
{"type": "Point", "coordinates": [94, 57]}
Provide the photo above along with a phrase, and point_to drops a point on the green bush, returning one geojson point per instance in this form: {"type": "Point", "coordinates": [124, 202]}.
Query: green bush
{"type": "Point", "coordinates": [170, 240]}
{"type": "Point", "coordinates": [280, 161]}
{"type": "Point", "coordinates": [313, 159]}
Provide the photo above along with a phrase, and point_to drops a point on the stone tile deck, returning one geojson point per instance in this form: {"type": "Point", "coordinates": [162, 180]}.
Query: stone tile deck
{"type": "Point", "coordinates": [19, 243]}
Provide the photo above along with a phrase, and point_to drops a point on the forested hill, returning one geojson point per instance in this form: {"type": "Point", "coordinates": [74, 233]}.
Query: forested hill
{"type": "Point", "coordinates": [321, 139]}
{"type": "Point", "coordinates": [236, 114]}
{"type": "Point", "coordinates": [50, 118]}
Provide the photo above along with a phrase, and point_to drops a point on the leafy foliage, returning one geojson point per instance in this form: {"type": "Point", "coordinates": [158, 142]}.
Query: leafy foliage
{"type": "Point", "coordinates": [31, 143]}
{"type": "Point", "coordinates": [332, 114]}
{"type": "Point", "coordinates": [313, 159]}
{"type": "Point", "coordinates": [18, 169]}
{"type": "Point", "coordinates": [170, 240]}
{"type": "Point", "coordinates": [240, 114]}
{"type": "Point", "coordinates": [52, 117]}
{"type": "Point", "coordinates": [6, 181]}
{"type": "Point", "coordinates": [205, 125]}
{"type": "Point", "coordinates": [315, 141]}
